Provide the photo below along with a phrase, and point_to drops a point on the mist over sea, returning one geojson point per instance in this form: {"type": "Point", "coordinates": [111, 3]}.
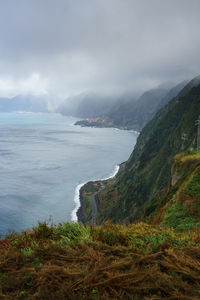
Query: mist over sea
{"type": "Point", "coordinates": [43, 157]}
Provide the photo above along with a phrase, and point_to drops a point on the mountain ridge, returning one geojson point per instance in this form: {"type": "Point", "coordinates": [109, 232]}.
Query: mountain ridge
{"type": "Point", "coordinates": [147, 173]}
{"type": "Point", "coordinates": [134, 114]}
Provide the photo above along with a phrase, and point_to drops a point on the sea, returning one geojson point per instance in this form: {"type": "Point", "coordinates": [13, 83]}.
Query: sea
{"type": "Point", "coordinates": [44, 160]}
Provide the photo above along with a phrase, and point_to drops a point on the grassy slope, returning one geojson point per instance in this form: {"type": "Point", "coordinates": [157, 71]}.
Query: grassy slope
{"type": "Point", "coordinates": [147, 174]}
{"type": "Point", "coordinates": [180, 206]}
{"type": "Point", "coordinates": [72, 261]}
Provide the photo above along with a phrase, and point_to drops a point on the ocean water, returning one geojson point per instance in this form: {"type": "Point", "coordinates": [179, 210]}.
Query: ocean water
{"type": "Point", "coordinates": [44, 157]}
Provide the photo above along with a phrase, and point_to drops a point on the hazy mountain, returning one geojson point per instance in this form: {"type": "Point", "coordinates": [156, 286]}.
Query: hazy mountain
{"type": "Point", "coordinates": [87, 105]}
{"type": "Point", "coordinates": [136, 114]}
{"type": "Point", "coordinates": [23, 103]}
{"type": "Point", "coordinates": [129, 113]}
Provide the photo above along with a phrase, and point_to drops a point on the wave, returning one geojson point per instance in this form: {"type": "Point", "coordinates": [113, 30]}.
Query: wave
{"type": "Point", "coordinates": [113, 174]}
{"type": "Point", "coordinates": [77, 202]}
{"type": "Point", "coordinates": [27, 112]}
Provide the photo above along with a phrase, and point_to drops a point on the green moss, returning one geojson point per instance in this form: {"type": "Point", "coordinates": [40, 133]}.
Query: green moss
{"type": "Point", "coordinates": [178, 216]}
{"type": "Point", "coordinates": [192, 188]}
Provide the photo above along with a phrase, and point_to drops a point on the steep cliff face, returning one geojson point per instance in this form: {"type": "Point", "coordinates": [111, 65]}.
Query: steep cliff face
{"type": "Point", "coordinates": [146, 176]}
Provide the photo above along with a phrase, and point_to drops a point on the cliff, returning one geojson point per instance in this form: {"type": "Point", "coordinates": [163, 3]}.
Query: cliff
{"type": "Point", "coordinates": [146, 176]}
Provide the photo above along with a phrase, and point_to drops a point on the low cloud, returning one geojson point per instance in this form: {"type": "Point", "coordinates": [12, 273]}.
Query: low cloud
{"type": "Point", "coordinates": [33, 85]}
{"type": "Point", "coordinates": [65, 47]}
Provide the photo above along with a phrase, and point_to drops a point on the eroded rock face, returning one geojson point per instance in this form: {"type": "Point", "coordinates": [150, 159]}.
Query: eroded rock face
{"type": "Point", "coordinates": [175, 178]}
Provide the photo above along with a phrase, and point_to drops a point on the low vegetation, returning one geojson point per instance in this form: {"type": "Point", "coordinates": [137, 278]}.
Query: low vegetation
{"type": "Point", "coordinates": [74, 261]}
{"type": "Point", "coordinates": [180, 206]}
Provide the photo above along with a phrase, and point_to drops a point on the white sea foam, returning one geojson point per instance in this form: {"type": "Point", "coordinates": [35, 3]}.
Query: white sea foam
{"type": "Point", "coordinates": [24, 112]}
{"type": "Point", "coordinates": [113, 174]}
{"type": "Point", "coordinates": [136, 132]}
{"type": "Point", "coordinates": [77, 202]}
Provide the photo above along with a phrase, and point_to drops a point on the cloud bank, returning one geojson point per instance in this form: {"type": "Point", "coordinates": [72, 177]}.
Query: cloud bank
{"type": "Point", "coordinates": [65, 47]}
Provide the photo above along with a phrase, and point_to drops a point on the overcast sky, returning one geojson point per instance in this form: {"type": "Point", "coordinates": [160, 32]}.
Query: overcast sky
{"type": "Point", "coordinates": [60, 48]}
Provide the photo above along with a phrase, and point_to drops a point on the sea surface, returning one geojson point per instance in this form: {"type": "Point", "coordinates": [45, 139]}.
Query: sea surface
{"type": "Point", "coordinates": [44, 157]}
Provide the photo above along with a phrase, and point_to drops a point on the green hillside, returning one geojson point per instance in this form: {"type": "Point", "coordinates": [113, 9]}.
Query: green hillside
{"type": "Point", "coordinates": [180, 206]}
{"type": "Point", "coordinates": [146, 176]}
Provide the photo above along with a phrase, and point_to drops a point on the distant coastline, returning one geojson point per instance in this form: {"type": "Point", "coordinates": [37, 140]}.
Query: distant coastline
{"type": "Point", "coordinates": [101, 123]}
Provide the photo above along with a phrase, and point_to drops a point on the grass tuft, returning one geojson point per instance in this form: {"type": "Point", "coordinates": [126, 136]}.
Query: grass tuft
{"type": "Point", "coordinates": [73, 261]}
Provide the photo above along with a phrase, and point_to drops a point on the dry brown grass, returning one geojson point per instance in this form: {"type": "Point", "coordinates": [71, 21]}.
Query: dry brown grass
{"type": "Point", "coordinates": [99, 271]}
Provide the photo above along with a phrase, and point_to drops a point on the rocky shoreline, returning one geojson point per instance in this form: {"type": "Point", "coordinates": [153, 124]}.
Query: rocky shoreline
{"type": "Point", "coordinates": [88, 193]}
{"type": "Point", "coordinates": [94, 122]}
{"type": "Point", "coordinates": [87, 212]}
{"type": "Point", "coordinates": [101, 123]}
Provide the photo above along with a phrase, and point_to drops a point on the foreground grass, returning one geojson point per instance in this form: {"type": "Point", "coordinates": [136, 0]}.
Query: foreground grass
{"type": "Point", "coordinates": [73, 261]}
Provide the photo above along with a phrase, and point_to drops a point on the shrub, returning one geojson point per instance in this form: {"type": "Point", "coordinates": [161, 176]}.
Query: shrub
{"type": "Point", "coordinates": [43, 231]}
{"type": "Point", "coordinates": [76, 232]}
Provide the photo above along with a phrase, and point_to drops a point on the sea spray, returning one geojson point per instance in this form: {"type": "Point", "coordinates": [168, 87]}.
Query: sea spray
{"type": "Point", "coordinates": [77, 202]}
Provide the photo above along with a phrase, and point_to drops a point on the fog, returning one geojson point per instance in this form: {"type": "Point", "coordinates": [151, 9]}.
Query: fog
{"type": "Point", "coordinates": [63, 48]}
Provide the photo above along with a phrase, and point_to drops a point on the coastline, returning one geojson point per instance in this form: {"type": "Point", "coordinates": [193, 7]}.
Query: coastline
{"type": "Point", "coordinates": [74, 217]}
{"type": "Point", "coordinates": [87, 123]}
{"type": "Point", "coordinates": [76, 214]}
